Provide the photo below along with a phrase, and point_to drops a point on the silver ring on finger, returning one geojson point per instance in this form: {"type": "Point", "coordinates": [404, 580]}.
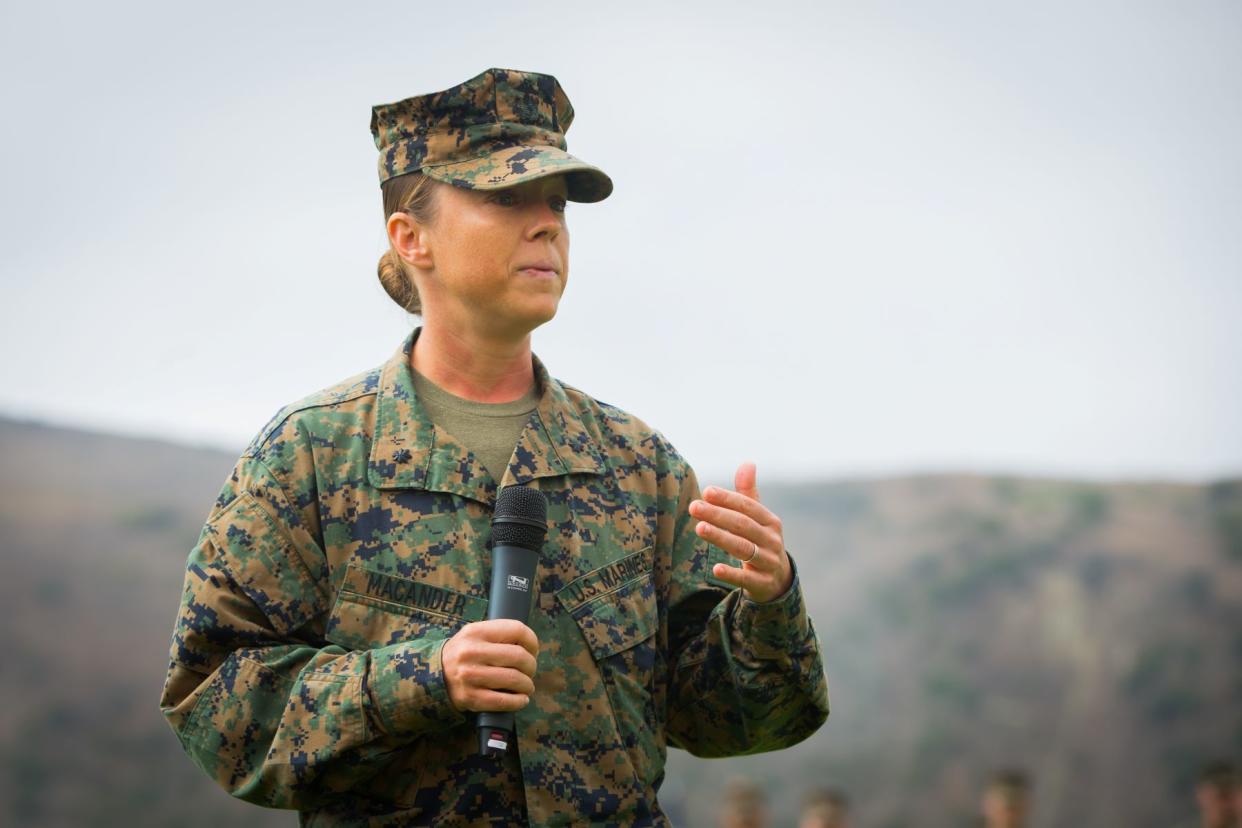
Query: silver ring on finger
{"type": "Point", "coordinates": [753, 552]}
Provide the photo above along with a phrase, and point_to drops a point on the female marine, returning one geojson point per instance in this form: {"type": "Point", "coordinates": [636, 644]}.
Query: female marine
{"type": "Point", "coordinates": [332, 649]}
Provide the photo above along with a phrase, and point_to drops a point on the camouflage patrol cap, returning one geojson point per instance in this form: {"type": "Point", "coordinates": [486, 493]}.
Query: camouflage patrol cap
{"type": "Point", "coordinates": [499, 128]}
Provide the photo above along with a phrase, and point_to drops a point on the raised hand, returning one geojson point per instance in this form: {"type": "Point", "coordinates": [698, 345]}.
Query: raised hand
{"type": "Point", "coordinates": [738, 524]}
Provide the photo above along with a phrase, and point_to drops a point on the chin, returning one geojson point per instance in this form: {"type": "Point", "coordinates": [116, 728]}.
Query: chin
{"type": "Point", "coordinates": [540, 315]}
{"type": "Point", "coordinates": [525, 323]}
{"type": "Point", "coordinates": [535, 323]}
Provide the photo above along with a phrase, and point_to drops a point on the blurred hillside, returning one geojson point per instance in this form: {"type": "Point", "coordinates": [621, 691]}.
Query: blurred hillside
{"type": "Point", "coordinates": [1090, 633]}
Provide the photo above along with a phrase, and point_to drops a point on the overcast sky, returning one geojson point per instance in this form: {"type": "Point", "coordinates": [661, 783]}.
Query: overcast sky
{"type": "Point", "coordinates": [845, 239]}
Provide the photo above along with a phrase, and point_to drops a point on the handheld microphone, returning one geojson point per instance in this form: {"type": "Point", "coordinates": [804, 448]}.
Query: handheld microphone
{"type": "Point", "coordinates": [519, 525]}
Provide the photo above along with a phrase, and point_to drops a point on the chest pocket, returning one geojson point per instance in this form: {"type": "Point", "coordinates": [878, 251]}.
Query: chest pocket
{"type": "Point", "coordinates": [375, 609]}
{"type": "Point", "coordinates": [615, 605]}
{"type": "Point", "coordinates": [615, 608]}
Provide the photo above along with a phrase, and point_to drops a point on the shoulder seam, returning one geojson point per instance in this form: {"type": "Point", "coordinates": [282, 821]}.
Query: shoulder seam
{"type": "Point", "coordinates": [261, 439]}
{"type": "Point", "coordinates": [592, 398]}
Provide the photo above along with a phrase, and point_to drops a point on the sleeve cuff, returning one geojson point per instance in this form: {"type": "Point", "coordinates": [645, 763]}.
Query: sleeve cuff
{"type": "Point", "coordinates": [774, 626]}
{"type": "Point", "coordinates": [407, 689]}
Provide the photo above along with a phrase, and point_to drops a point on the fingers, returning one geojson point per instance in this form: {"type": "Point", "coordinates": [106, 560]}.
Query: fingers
{"type": "Point", "coordinates": [504, 679]}
{"type": "Point", "coordinates": [734, 530]}
{"type": "Point", "coordinates": [489, 701]}
{"type": "Point", "coordinates": [489, 665]}
{"type": "Point", "coordinates": [740, 502]}
{"type": "Point", "coordinates": [473, 651]}
{"type": "Point", "coordinates": [733, 575]}
{"type": "Point", "coordinates": [743, 528]}
{"type": "Point", "coordinates": [504, 631]}
{"type": "Point", "coordinates": [744, 549]}
{"type": "Point", "coordinates": [760, 585]}
{"type": "Point", "coordinates": [744, 480]}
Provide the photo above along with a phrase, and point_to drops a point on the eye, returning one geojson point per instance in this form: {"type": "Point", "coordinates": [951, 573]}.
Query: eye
{"type": "Point", "coordinates": [557, 203]}
{"type": "Point", "coordinates": [505, 198]}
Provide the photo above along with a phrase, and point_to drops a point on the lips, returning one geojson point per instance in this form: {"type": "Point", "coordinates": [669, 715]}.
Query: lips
{"type": "Point", "coordinates": [542, 269]}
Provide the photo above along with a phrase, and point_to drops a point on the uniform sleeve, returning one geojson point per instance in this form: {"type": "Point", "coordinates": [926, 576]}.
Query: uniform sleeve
{"type": "Point", "coordinates": [259, 700]}
{"type": "Point", "coordinates": [745, 677]}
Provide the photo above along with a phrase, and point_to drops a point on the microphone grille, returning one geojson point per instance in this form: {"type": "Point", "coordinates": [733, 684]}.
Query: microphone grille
{"type": "Point", "coordinates": [523, 504]}
{"type": "Point", "coordinates": [520, 518]}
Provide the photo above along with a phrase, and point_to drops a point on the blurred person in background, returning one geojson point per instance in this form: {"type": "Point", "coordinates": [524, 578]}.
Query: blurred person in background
{"type": "Point", "coordinates": [1218, 796]}
{"type": "Point", "coordinates": [1007, 800]}
{"type": "Point", "coordinates": [1237, 797]}
{"type": "Point", "coordinates": [824, 808]}
{"type": "Point", "coordinates": [744, 805]}
{"type": "Point", "coordinates": [332, 649]}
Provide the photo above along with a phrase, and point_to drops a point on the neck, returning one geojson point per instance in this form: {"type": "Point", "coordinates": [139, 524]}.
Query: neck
{"type": "Point", "coordinates": [473, 365]}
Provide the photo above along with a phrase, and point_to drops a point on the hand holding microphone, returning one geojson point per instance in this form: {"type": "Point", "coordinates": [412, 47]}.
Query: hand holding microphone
{"type": "Point", "coordinates": [488, 665]}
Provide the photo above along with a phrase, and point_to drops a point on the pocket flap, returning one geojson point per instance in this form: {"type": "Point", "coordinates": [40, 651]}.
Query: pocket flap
{"type": "Point", "coordinates": [615, 605]}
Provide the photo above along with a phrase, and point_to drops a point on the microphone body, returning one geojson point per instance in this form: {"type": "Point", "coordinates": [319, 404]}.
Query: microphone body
{"type": "Point", "coordinates": [519, 525]}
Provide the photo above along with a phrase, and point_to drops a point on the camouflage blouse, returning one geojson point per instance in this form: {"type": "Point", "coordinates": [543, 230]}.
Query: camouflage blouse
{"type": "Point", "coordinates": [349, 542]}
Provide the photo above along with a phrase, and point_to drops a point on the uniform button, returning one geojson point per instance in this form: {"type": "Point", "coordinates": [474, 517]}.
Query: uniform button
{"type": "Point", "coordinates": [401, 455]}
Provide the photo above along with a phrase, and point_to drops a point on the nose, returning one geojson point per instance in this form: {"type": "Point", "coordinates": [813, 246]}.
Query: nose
{"type": "Point", "coordinates": [544, 221]}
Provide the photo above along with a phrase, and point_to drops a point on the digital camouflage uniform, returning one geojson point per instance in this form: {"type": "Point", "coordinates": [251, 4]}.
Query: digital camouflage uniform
{"type": "Point", "coordinates": [350, 541]}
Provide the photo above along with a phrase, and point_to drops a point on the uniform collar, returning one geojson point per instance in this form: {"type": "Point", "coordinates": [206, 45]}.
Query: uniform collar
{"type": "Point", "coordinates": [410, 452]}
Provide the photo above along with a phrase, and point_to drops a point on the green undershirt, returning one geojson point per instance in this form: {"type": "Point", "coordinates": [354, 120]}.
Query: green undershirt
{"type": "Point", "coordinates": [489, 430]}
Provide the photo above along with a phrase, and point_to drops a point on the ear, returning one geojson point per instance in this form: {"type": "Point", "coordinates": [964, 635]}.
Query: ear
{"type": "Point", "coordinates": [411, 240]}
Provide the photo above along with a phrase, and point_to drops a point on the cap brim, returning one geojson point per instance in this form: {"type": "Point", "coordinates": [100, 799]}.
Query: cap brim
{"type": "Point", "coordinates": [514, 165]}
